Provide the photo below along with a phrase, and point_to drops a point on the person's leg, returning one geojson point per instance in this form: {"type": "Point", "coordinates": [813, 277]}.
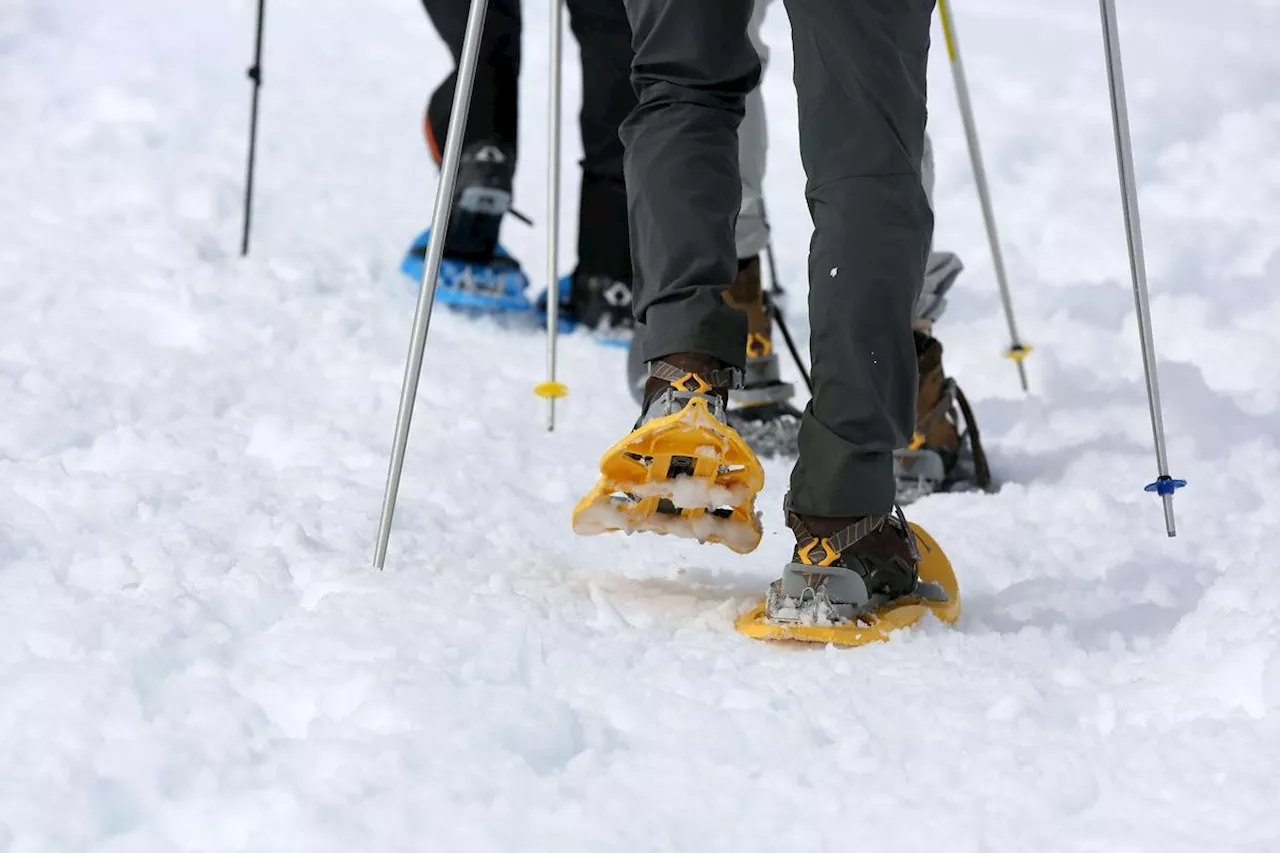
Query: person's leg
{"type": "Point", "coordinates": [860, 79]}
{"type": "Point", "coordinates": [482, 195]}
{"type": "Point", "coordinates": [693, 69]}
{"type": "Point", "coordinates": [926, 169]}
{"type": "Point", "coordinates": [683, 470]}
{"type": "Point", "coordinates": [762, 412]}
{"type": "Point", "coordinates": [601, 291]}
{"type": "Point", "coordinates": [494, 112]}
{"type": "Point", "coordinates": [752, 232]}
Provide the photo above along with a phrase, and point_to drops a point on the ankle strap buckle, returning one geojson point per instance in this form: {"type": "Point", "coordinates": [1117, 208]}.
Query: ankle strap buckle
{"type": "Point", "coordinates": [722, 377]}
{"type": "Point", "coordinates": [829, 555]}
{"type": "Point", "coordinates": [691, 383]}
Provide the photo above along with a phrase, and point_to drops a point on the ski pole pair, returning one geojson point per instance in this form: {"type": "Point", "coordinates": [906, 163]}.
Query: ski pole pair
{"type": "Point", "coordinates": [1164, 486]}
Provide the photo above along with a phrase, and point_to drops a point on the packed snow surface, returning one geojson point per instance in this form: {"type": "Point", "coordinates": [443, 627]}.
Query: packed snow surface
{"type": "Point", "coordinates": [195, 654]}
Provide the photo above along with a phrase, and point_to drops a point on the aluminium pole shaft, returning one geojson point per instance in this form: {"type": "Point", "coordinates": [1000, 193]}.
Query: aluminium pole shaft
{"type": "Point", "coordinates": [1165, 485]}
{"type": "Point", "coordinates": [551, 389]}
{"type": "Point", "coordinates": [431, 267]}
{"type": "Point", "coordinates": [1017, 350]}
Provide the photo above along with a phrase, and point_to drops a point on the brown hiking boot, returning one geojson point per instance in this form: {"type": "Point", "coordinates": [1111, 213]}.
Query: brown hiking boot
{"type": "Point", "coordinates": [844, 568]}
{"type": "Point", "coordinates": [941, 456]}
{"type": "Point", "coordinates": [704, 370]}
{"type": "Point", "coordinates": [935, 412]}
{"type": "Point", "coordinates": [747, 295]}
{"type": "Point", "coordinates": [761, 410]}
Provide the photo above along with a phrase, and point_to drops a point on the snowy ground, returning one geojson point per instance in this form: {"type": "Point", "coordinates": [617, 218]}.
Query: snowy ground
{"type": "Point", "coordinates": [195, 654]}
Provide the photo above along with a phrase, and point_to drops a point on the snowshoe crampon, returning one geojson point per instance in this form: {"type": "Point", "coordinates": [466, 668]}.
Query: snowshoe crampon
{"type": "Point", "coordinates": [772, 430]}
{"type": "Point", "coordinates": [685, 474]}
{"type": "Point", "coordinates": [937, 581]}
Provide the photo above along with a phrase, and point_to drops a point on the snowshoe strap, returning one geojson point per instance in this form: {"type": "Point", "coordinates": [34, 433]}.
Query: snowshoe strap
{"type": "Point", "coordinates": [981, 471]}
{"type": "Point", "coordinates": [702, 382]}
{"type": "Point", "coordinates": [823, 551]}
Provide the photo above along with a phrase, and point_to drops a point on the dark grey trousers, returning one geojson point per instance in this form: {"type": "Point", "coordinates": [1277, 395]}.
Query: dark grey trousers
{"type": "Point", "coordinates": [860, 79]}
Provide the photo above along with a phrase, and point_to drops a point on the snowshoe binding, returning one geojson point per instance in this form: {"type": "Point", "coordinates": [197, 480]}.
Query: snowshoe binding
{"type": "Point", "coordinates": [760, 410]}
{"type": "Point", "coordinates": [683, 471]}
{"type": "Point", "coordinates": [476, 274]}
{"type": "Point", "coordinates": [873, 576]}
{"type": "Point", "coordinates": [597, 304]}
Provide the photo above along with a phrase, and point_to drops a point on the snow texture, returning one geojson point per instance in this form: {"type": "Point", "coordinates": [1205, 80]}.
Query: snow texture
{"type": "Point", "coordinates": [196, 656]}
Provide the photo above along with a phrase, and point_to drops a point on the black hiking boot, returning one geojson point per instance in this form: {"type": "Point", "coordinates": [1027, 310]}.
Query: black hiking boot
{"type": "Point", "coordinates": [481, 198]}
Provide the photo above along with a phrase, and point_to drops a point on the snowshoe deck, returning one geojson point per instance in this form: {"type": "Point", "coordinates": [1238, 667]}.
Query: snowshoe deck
{"type": "Point", "coordinates": [685, 474]}
{"type": "Point", "coordinates": [469, 286]}
{"type": "Point", "coordinates": [877, 625]}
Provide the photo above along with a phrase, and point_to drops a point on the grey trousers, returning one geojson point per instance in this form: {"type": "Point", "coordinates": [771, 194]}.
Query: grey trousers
{"type": "Point", "coordinates": [752, 232]}
{"type": "Point", "coordinates": [860, 79]}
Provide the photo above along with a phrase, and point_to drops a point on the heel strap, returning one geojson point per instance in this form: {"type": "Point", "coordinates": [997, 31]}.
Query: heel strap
{"type": "Point", "coordinates": [823, 551]}
{"type": "Point", "coordinates": [696, 382]}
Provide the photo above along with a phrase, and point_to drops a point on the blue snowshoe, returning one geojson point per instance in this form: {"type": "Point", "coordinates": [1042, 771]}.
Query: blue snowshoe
{"type": "Point", "coordinates": [498, 285]}
{"type": "Point", "coordinates": [477, 275]}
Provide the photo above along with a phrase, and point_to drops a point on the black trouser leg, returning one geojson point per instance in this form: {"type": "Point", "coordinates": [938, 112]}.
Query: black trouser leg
{"type": "Point", "coordinates": [494, 112]}
{"type": "Point", "coordinates": [604, 39]}
{"type": "Point", "coordinates": [694, 67]}
{"type": "Point", "coordinates": [860, 79]}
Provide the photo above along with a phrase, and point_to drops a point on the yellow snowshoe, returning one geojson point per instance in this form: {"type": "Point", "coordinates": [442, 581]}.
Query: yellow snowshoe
{"type": "Point", "coordinates": [683, 471]}
{"type": "Point", "coordinates": [831, 593]}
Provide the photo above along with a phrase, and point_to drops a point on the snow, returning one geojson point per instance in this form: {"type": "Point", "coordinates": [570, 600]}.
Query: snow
{"type": "Point", "coordinates": [195, 654]}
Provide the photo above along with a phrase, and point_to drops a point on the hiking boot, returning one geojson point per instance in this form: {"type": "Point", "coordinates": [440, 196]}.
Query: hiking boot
{"type": "Point", "coordinates": [761, 410]}
{"type": "Point", "coordinates": [682, 470]}
{"type": "Point", "coordinates": [481, 198]}
{"type": "Point", "coordinates": [844, 569]}
{"type": "Point", "coordinates": [601, 303]}
{"type": "Point", "coordinates": [941, 456]}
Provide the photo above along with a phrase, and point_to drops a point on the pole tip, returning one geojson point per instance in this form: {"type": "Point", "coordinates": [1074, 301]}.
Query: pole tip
{"type": "Point", "coordinates": [1165, 486]}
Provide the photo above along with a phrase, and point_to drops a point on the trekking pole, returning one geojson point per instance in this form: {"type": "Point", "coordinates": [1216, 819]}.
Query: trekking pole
{"type": "Point", "coordinates": [551, 389]}
{"type": "Point", "coordinates": [791, 344]}
{"type": "Point", "coordinates": [1017, 350]}
{"type": "Point", "coordinates": [1164, 485]}
{"type": "Point", "coordinates": [775, 289]}
{"type": "Point", "coordinates": [255, 74]}
{"type": "Point", "coordinates": [431, 266]}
